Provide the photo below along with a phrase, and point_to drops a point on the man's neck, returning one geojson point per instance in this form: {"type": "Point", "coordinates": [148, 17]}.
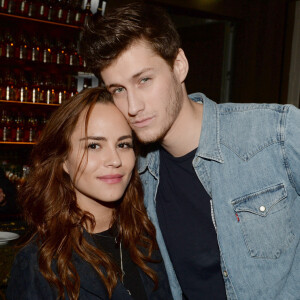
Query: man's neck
{"type": "Point", "coordinates": [184, 135]}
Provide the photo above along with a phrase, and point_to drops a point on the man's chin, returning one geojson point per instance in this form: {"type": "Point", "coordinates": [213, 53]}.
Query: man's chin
{"type": "Point", "coordinates": [147, 139]}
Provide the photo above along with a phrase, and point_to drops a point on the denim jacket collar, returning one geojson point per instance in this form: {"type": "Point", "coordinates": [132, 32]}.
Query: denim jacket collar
{"type": "Point", "coordinates": [209, 145]}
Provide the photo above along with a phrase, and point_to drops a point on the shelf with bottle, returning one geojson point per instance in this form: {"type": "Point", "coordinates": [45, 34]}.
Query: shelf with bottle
{"type": "Point", "coordinates": [20, 49]}
{"type": "Point", "coordinates": [69, 13]}
{"type": "Point", "coordinates": [21, 128]}
{"type": "Point", "coordinates": [21, 87]}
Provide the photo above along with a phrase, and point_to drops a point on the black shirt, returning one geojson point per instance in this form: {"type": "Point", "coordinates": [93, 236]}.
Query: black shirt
{"type": "Point", "coordinates": [184, 214]}
{"type": "Point", "coordinates": [106, 241]}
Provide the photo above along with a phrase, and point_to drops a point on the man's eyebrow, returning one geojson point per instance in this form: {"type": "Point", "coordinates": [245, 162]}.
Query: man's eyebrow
{"type": "Point", "coordinates": [101, 138]}
{"type": "Point", "coordinates": [133, 77]}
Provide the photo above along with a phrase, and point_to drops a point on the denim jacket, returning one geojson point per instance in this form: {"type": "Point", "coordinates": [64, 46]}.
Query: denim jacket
{"type": "Point", "coordinates": [248, 160]}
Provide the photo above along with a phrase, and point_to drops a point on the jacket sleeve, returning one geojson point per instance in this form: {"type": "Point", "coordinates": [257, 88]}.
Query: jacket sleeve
{"type": "Point", "coordinates": [26, 282]}
{"type": "Point", "coordinates": [292, 146]}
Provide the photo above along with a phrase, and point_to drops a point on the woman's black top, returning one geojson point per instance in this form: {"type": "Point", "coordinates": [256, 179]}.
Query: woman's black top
{"type": "Point", "coordinates": [107, 241]}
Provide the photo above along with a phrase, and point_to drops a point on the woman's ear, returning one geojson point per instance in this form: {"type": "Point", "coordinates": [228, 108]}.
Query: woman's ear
{"type": "Point", "coordinates": [181, 65]}
{"type": "Point", "coordinates": [65, 167]}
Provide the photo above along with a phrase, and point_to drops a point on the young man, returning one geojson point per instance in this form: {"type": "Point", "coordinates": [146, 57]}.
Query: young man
{"type": "Point", "coordinates": [222, 182]}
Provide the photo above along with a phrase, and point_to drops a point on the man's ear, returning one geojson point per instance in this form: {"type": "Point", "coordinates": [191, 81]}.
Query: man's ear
{"type": "Point", "coordinates": [181, 66]}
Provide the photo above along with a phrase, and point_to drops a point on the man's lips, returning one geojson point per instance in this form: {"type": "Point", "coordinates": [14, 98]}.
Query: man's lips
{"type": "Point", "coordinates": [116, 178]}
{"type": "Point", "coordinates": [142, 122]}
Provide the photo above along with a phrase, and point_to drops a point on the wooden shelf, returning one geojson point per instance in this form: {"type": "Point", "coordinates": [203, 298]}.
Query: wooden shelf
{"type": "Point", "coordinates": [28, 103]}
{"type": "Point", "coordinates": [17, 143]}
{"type": "Point", "coordinates": [40, 21]}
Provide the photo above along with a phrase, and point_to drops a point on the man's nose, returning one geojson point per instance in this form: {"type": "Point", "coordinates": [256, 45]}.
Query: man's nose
{"type": "Point", "coordinates": [135, 103]}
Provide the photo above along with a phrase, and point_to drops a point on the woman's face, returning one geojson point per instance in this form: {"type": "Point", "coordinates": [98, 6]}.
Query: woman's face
{"type": "Point", "coordinates": [108, 157]}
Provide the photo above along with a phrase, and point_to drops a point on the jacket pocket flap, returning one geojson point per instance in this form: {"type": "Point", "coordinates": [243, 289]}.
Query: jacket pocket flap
{"type": "Point", "coordinates": [260, 202]}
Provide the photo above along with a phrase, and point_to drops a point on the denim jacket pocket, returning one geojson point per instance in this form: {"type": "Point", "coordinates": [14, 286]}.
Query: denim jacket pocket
{"type": "Point", "coordinates": [264, 217]}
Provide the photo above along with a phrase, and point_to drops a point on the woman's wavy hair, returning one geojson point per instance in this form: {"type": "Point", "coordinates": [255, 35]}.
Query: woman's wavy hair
{"type": "Point", "coordinates": [105, 38]}
{"type": "Point", "coordinates": [49, 206]}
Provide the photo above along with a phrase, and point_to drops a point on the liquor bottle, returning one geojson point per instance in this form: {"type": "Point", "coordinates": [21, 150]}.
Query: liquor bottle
{"type": "Point", "coordinates": [59, 55]}
{"type": "Point", "coordinates": [100, 10]}
{"type": "Point", "coordinates": [5, 127]}
{"type": "Point", "coordinates": [87, 13]}
{"type": "Point", "coordinates": [70, 16]}
{"type": "Point", "coordinates": [9, 44]}
{"type": "Point", "coordinates": [32, 7]}
{"type": "Point", "coordinates": [73, 88]}
{"type": "Point", "coordinates": [61, 13]}
{"type": "Point", "coordinates": [42, 9]}
{"type": "Point", "coordinates": [22, 47]}
{"type": "Point", "coordinates": [23, 7]}
{"type": "Point", "coordinates": [46, 51]}
{"type": "Point", "coordinates": [79, 16]}
{"type": "Point", "coordinates": [35, 89]}
{"type": "Point", "coordinates": [10, 86]}
{"type": "Point", "coordinates": [42, 93]}
{"type": "Point", "coordinates": [11, 7]}
{"type": "Point", "coordinates": [31, 128]}
{"type": "Point", "coordinates": [61, 89]}
{"type": "Point", "coordinates": [49, 91]}
{"type": "Point", "coordinates": [51, 10]}
{"type": "Point", "coordinates": [73, 54]}
{"type": "Point", "coordinates": [18, 128]}
{"type": "Point", "coordinates": [35, 46]}
{"type": "Point", "coordinates": [3, 6]}
{"type": "Point", "coordinates": [23, 91]}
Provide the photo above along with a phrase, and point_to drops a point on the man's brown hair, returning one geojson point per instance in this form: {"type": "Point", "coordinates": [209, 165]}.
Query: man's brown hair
{"type": "Point", "coordinates": [105, 38]}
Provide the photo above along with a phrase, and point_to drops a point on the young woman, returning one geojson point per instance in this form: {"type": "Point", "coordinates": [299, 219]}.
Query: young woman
{"type": "Point", "coordinates": [83, 200]}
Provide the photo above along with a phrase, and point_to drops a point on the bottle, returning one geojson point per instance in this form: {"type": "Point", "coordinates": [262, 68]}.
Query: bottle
{"type": "Point", "coordinates": [23, 7]}
{"type": "Point", "coordinates": [5, 127]}
{"type": "Point", "coordinates": [31, 128]}
{"type": "Point", "coordinates": [51, 10]}
{"type": "Point", "coordinates": [23, 91]}
{"type": "Point", "coordinates": [61, 11]}
{"type": "Point", "coordinates": [59, 55]}
{"type": "Point", "coordinates": [18, 128]}
{"type": "Point", "coordinates": [35, 89]}
{"type": "Point", "coordinates": [35, 46]}
{"type": "Point", "coordinates": [9, 44]}
{"type": "Point", "coordinates": [42, 10]}
{"type": "Point", "coordinates": [100, 10]}
{"type": "Point", "coordinates": [22, 48]}
{"type": "Point", "coordinates": [79, 16]}
{"type": "Point", "coordinates": [11, 7]}
{"type": "Point", "coordinates": [32, 8]}
{"type": "Point", "coordinates": [73, 54]}
{"type": "Point", "coordinates": [70, 16]}
{"type": "Point", "coordinates": [3, 6]}
{"type": "Point", "coordinates": [10, 86]}
{"type": "Point", "coordinates": [46, 51]}
{"type": "Point", "coordinates": [87, 13]}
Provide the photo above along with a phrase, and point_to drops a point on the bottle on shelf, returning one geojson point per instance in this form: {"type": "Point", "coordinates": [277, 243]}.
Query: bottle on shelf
{"type": "Point", "coordinates": [6, 122]}
{"type": "Point", "coordinates": [32, 8]}
{"type": "Point", "coordinates": [51, 10]}
{"type": "Point", "coordinates": [3, 6]}
{"type": "Point", "coordinates": [18, 128]}
{"type": "Point", "coordinates": [35, 46]}
{"type": "Point", "coordinates": [35, 89]}
{"type": "Point", "coordinates": [100, 9]}
{"type": "Point", "coordinates": [31, 128]}
{"type": "Point", "coordinates": [79, 15]}
{"type": "Point", "coordinates": [23, 90]}
{"type": "Point", "coordinates": [9, 44]}
{"type": "Point", "coordinates": [22, 51]}
{"type": "Point", "coordinates": [70, 15]}
{"type": "Point", "coordinates": [42, 9]}
{"type": "Point", "coordinates": [73, 54]}
{"type": "Point", "coordinates": [61, 13]}
{"type": "Point", "coordinates": [11, 6]}
{"type": "Point", "coordinates": [46, 50]}
{"type": "Point", "coordinates": [23, 7]}
{"type": "Point", "coordinates": [87, 13]}
{"type": "Point", "coordinates": [10, 86]}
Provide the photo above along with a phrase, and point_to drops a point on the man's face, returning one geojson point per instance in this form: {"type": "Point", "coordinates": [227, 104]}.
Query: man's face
{"type": "Point", "coordinates": [146, 90]}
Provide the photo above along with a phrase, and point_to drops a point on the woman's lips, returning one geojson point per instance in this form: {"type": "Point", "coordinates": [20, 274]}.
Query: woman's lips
{"type": "Point", "coordinates": [111, 178]}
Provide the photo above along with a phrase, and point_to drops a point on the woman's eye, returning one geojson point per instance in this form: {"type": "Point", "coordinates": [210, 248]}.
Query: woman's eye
{"type": "Point", "coordinates": [125, 145]}
{"type": "Point", "coordinates": [93, 146]}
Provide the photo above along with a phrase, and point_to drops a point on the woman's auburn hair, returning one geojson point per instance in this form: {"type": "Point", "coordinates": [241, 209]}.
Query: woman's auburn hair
{"type": "Point", "coordinates": [57, 224]}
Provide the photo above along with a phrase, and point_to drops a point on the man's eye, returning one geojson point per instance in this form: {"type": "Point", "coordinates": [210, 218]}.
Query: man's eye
{"type": "Point", "coordinates": [125, 145]}
{"type": "Point", "coordinates": [145, 79]}
{"type": "Point", "coordinates": [118, 90]}
{"type": "Point", "coordinates": [93, 146]}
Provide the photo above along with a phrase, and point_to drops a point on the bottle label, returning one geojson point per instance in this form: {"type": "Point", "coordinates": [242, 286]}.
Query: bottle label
{"type": "Point", "coordinates": [60, 14]}
{"type": "Point", "coordinates": [48, 96]}
{"type": "Point", "coordinates": [34, 95]}
{"type": "Point", "coordinates": [5, 134]}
